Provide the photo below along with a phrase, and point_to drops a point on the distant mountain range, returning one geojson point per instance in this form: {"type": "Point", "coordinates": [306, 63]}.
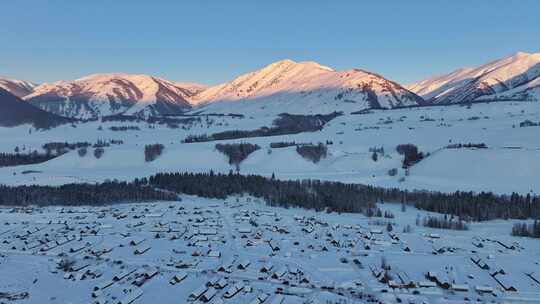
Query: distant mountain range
{"type": "Point", "coordinates": [19, 88]}
{"type": "Point", "coordinates": [14, 111]}
{"type": "Point", "coordinates": [516, 77]}
{"type": "Point", "coordinates": [283, 86]}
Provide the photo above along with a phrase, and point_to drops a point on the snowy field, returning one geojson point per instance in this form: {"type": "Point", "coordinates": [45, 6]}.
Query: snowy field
{"type": "Point", "coordinates": [509, 164]}
{"type": "Point", "coordinates": [242, 251]}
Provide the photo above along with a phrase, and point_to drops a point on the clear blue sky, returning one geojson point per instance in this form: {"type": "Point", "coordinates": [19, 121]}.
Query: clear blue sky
{"type": "Point", "coordinates": [214, 41]}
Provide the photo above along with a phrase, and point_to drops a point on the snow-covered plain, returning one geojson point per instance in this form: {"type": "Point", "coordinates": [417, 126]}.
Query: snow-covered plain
{"type": "Point", "coordinates": [132, 251]}
{"type": "Point", "coordinates": [509, 164]}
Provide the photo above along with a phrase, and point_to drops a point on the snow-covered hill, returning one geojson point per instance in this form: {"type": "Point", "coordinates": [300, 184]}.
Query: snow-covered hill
{"type": "Point", "coordinates": [304, 87]}
{"type": "Point", "coordinates": [509, 163]}
{"type": "Point", "coordinates": [14, 112]}
{"type": "Point", "coordinates": [516, 77]}
{"type": "Point", "coordinates": [16, 87]}
{"type": "Point", "coordinates": [109, 94]}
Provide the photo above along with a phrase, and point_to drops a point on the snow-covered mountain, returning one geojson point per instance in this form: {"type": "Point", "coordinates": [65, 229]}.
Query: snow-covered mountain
{"type": "Point", "coordinates": [303, 87]}
{"type": "Point", "coordinates": [19, 88]}
{"type": "Point", "coordinates": [516, 77]}
{"type": "Point", "coordinates": [193, 87]}
{"type": "Point", "coordinates": [109, 94]}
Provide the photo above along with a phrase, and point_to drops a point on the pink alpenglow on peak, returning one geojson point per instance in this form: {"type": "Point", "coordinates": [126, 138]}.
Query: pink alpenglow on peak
{"type": "Point", "coordinates": [516, 77]}
{"type": "Point", "coordinates": [111, 94]}
{"type": "Point", "coordinates": [304, 88]}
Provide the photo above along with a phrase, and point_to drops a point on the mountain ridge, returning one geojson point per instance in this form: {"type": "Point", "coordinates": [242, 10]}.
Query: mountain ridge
{"type": "Point", "coordinates": [510, 78]}
{"type": "Point", "coordinates": [304, 87]}
{"type": "Point", "coordinates": [19, 88]}
{"type": "Point", "coordinates": [98, 95]}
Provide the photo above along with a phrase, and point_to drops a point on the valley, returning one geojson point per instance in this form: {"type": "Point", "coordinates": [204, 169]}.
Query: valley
{"type": "Point", "coordinates": [294, 183]}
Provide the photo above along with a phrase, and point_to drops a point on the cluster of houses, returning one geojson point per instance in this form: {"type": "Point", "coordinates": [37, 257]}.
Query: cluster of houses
{"type": "Point", "coordinates": [496, 272]}
{"type": "Point", "coordinates": [236, 247]}
{"type": "Point", "coordinates": [445, 277]}
{"type": "Point", "coordinates": [212, 287]}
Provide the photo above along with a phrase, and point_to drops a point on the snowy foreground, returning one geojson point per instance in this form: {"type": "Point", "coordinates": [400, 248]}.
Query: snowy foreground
{"type": "Point", "coordinates": [242, 251]}
{"type": "Point", "coordinates": [510, 163]}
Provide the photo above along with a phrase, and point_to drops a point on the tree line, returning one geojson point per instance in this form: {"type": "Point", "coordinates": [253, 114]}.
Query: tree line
{"type": "Point", "coordinates": [477, 206]}
{"type": "Point", "coordinates": [169, 121]}
{"type": "Point", "coordinates": [124, 128]}
{"type": "Point", "coordinates": [309, 194]}
{"type": "Point", "coordinates": [52, 150]}
{"type": "Point", "coordinates": [282, 144]}
{"type": "Point", "coordinates": [340, 197]}
{"type": "Point", "coordinates": [467, 146]}
{"type": "Point", "coordinates": [17, 159]}
{"type": "Point", "coordinates": [81, 194]}
{"type": "Point", "coordinates": [284, 124]}
{"type": "Point", "coordinates": [59, 148]}
{"type": "Point", "coordinates": [527, 230]}
{"type": "Point", "coordinates": [444, 222]}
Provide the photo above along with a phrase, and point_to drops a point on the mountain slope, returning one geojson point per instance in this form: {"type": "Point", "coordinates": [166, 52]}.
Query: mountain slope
{"type": "Point", "coordinates": [512, 78]}
{"type": "Point", "coordinates": [14, 111]}
{"type": "Point", "coordinates": [304, 88]}
{"type": "Point", "coordinates": [16, 87]}
{"type": "Point", "coordinates": [110, 94]}
{"type": "Point", "coordinates": [193, 87]}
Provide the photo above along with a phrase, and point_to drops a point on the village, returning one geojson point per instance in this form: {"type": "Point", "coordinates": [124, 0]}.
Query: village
{"type": "Point", "coordinates": [242, 251]}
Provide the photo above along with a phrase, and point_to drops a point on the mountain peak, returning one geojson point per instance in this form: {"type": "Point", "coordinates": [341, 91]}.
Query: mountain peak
{"type": "Point", "coordinates": [16, 87]}
{"type": "Point", "coordinates": [520, 54]}
{"type": "Point", "coordinates": [509, 78]}
{"type": "Point", "coordinates": [289, 62]}
{"type": "Point", "coordinates": [304, 87]}
{"type": "Point", "coordinates": [110, 94]}
{"type": "Point", "coordinates": [282, 62]}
